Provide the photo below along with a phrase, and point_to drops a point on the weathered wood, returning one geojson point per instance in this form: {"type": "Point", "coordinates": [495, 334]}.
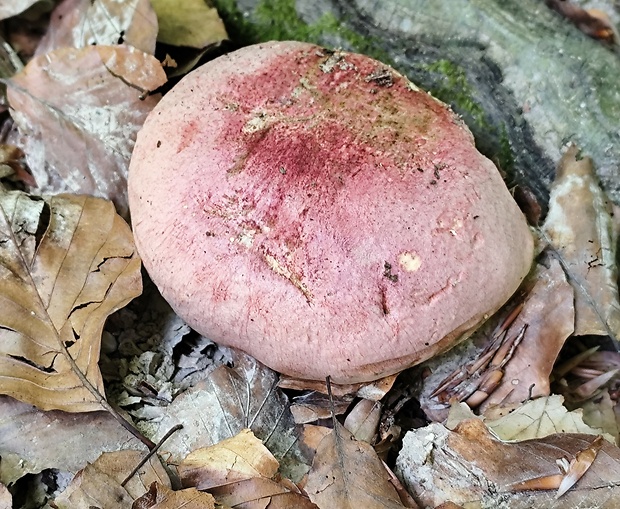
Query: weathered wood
{"type": "Point", "coordinates": [525, 80]}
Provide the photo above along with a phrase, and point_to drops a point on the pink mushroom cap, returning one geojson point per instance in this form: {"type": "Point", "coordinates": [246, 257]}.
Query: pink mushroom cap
{"type": "Point", "coordinates": [320, 212]}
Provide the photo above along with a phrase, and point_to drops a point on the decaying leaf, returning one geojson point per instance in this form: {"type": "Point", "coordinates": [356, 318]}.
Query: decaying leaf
{"type": "Point", "coordinates": [32, 441]}
{"type": "Point", "coordinates": [538, 418]}
{"type": "Point", "coordinates": [374, 391]}
{"type": "Point", "coordinates": [14, 7]}
{"type": "Point", "coordinates": [162, 497]}
{"type": "Point", "coordinates": [470, 466]}
{"type": "Point", "coordinates": [312, 406]}
{"type": "Point", "coordinates": [66, 263]}
{"type": "Point", "coordinates": [363, 420]}
{"type": "Point", "coordinates": [99, 484]}
{"type": "Point", "coordinates": [192, 23]}
{"type": "Point", "coordinates": [82, 23]}
{"type": "Point", "coordinates": [228, 401]}
{"type": "Point", "coordinates": [548, 313]}
{"type": "Point", "coordinates": [259, 493]}
{"type": "Point", "coordinates": [235, 459]}
{"type": "Point", "coordinates": [592, 22]}
{"type": "Point", "coordinates": [580, 229]}
{"type": "Point", "coordinates": [348, 474]}
{"type": "Point", "coordinates": [241, 472]}
{"type": "Point", "coordinates": [79, 111]}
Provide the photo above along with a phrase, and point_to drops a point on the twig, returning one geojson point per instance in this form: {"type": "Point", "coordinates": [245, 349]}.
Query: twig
{"type": "Point", "coordinates": [152, 452]}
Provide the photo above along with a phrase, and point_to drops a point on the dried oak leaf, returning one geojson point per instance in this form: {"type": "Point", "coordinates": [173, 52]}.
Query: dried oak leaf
{"type": "Point", "coordinates": [79, 111]}
{"type": "Point", "coordinates": [580, 229]}
{"type": "Point", "coordinates": [81, 23]}
{"type": "Point", "coordinates": [99, 484]}
{"type": "Point", "coordinates": [66, 263]}
{"type": "Point", "coordinates": [470, 466]}
{"type": "Point", "coordinates": [347, 473]}
{"type": "Point", "coordinates": [241, 472]}
{"type": "Point", "coordinates": [161, 497]}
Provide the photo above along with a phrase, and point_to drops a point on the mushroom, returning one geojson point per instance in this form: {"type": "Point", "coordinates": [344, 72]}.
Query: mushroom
{"type": "Point", "coordinates": [320, 212]}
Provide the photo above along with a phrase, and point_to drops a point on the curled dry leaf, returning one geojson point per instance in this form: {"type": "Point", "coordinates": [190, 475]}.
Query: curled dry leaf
{"type": "Point", "coordinates": [228, 401]}
{"type": "Point", "coordinates": [470, 466]}
{"type": "Point", "coordinates": [99, 484]}
{"type": "Point", "coordinates": [32, 441]}
{"type": "Point", "coordinates": [192, 23]}
{"type": "Point", "coordinates": [14, 7]}
{"type": "Point", "coordinates": [66, 263]}
{"type": "Point", "coordinates": [81, 23]}
{"type": "Point", "coordinates": [580, 229]}
{"type": "Point", "coordinates": [79, 111]}
{"type": "Point", "coordinates": [162, 497]}
{"type": "Point", "coordinates": [348, 474]}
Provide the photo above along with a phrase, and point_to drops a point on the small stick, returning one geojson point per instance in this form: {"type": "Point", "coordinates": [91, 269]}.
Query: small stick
{"type": "Point", "coordinates": [152, 452]}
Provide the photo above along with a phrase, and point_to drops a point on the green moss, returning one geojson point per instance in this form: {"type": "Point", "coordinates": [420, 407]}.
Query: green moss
{"type": "Point", "coordinates": [279, 20]}
{"type": "Point", "coordinates": [454, 88]}
{"type": "Point", "coordinates": [505, 156]}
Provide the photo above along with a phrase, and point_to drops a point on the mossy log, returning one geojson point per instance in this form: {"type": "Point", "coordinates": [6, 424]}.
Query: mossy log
{"type": "Point", "coordinates": [526, 81]}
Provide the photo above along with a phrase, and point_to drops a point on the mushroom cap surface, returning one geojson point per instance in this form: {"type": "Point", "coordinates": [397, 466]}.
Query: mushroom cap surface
{"type": "Point", "coordinates": [318, 211]}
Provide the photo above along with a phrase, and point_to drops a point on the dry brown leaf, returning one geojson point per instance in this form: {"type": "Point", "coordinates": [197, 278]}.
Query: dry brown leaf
{"type": "Point", "coordinates": [363, 420]}
{"type": "Point", "coordinates": [348, 474]}
{"type": "Point", "coordinates": [580, 229]}
{"type": "Point", "coordinates": [240, 472]}
{"type": "Point", "coordinates": [6, 500]}
{"type": "Point", "coordinates": [312, 406]}
{"type": "Point", "coordinates": [592, 22]}
{"type": "Point", "coordinates": [66, 264]}
{"type": "Point", "coordinates": [368, 390]}
{"type": "Point", "coordinates": [79, 111]}
{"type": "Point", "coordinates": [13, 7]}
{"type": "Point", "coordinates": [32, 441]}
{"type": "Point", "coordinates": [235, 459]}
{"type": "Point", "coordinates": [312, 436]}
{"type": "Point", "coordinates": [99, 484]}
{"type": "Point", "coordinates": [81, 23]}
{"type": "Point", "coordinates": [549, 315]}
{"type": "Point", "coordinates": [192, 23]}
{"type": "Point", "coordinates": [261, 493]}
{"type": "Point", "coordinates": [161, 497]}
{"type": "Point", "coordinates": [229, 400]}
{"type": "Point", "coordinates": [470, 466]}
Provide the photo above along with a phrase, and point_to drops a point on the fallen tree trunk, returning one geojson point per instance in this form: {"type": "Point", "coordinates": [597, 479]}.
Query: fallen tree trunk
{"type": "Point", "coordinates": [525, 80]}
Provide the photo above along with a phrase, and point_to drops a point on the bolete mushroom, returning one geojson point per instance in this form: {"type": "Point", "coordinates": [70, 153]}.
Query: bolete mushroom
{"type": "Point", "coordinates": [320, 212]}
